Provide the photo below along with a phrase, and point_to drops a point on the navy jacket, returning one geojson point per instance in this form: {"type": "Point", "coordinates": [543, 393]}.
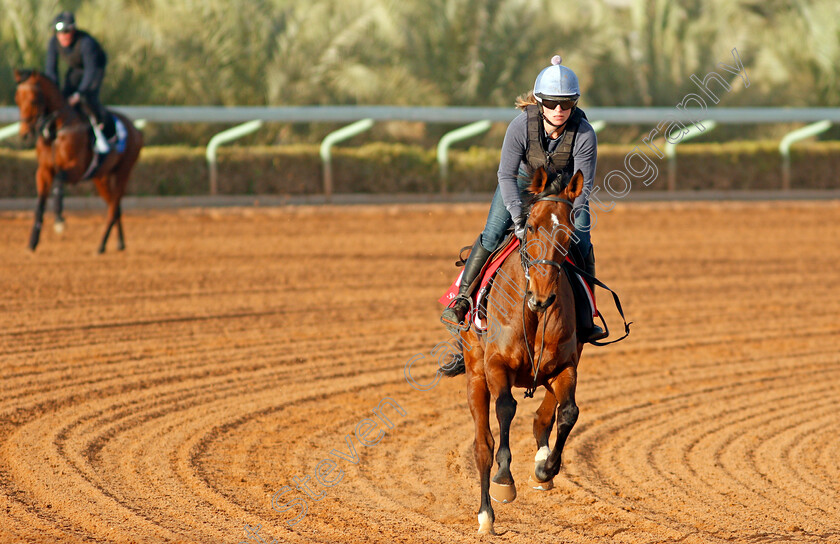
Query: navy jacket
{"type": "Point", "coordinates": [84, 54]}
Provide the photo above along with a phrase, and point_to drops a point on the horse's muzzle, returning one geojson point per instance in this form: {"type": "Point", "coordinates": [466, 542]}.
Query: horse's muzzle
{"type": "Point", "coordinates": [539, 306]}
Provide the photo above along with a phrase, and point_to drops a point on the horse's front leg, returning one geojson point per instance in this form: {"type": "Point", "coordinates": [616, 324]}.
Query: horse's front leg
{"type": "Point", "coordinates": [563, 386]}
{"type": "Point", "coordinates": [503, 488]}
{"type": "Point", "coordinates": [543, 421]}
{"type": "Point", "coordinates": [39, 220]}
{"type": "Point", "coordinates": [43, 178]}
{"type": "Point", "coordinates": [479, 401]}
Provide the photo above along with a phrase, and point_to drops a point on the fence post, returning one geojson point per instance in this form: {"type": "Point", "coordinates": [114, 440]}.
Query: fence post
{"type": "Point", "coordinates": [9, 131]}
{"type": "Point", "coordinates": [468, 131]}
{"type": "Point", "coordinates": [671, 149]}
{"type": "Point", "coordinates": [790, 139]}
{"type": "Point", "coordinates": [221, 138]}
{"type": "Point", "coordinates": [333, 138]}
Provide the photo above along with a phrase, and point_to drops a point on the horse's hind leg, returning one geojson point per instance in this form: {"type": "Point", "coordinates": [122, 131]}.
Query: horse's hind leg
{"type": "Point", "coordinates": [479, 401]}
{"type": "Point", "coordinates": [121, 239]}
{"type": "Point", "coordinates": [543, 420]}
{"type": "Point", "coordinates": [563, 386]}
{"type": "Point", "coordinates": [503, 488]}
{"type": "Point", "coordinates": [120, 179]}
{"type": "Point", "coordinates": [58, 194]}
{"type": "Point", "coordinates": [113, 205]}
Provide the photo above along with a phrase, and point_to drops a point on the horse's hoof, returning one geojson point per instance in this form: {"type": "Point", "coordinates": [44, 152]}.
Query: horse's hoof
{"type": "Point", "coordinates": [485, 524]}
{"type": "Point", "coordinates": [538, 485]}
{"type": "Point", "coordinates": [59, 227]}
{"type": "Point", "coordinates": [503, 493]}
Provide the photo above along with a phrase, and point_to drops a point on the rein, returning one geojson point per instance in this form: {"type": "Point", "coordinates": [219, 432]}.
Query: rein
{"type": "Point", "coordinates": [41, 120]}
{"type": "Point", "coordinates": [527, 263]}
{"type": "Point", "coordinates": [44, 121]}
{"type": "Point", "coordinates": [529, 393]}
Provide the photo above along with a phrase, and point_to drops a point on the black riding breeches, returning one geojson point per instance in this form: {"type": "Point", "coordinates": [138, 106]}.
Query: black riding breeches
{"type": "Point", "coordinates": [89, 97]}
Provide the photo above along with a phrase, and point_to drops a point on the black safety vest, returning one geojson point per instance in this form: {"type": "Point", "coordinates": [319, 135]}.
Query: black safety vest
{"type": "Point", "coordinates": [73, 54]}
{"type": "Point", "coordinates": [535, 153]}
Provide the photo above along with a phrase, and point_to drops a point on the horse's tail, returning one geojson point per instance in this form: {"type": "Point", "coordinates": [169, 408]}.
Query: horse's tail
{"type": "Point", "coordinates": [455, 363]}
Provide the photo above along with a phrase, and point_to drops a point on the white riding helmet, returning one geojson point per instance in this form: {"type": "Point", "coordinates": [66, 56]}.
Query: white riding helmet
{"type": "Point", "coordinates": [64, 21]}
{"type": "Point", "coordinates": [556, 82]}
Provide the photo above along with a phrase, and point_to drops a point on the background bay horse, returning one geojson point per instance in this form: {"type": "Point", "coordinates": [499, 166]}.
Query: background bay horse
{"type": "Point", "coordinates": [534, 310]}
{"type": "Point", "coordinates": [65, 150]}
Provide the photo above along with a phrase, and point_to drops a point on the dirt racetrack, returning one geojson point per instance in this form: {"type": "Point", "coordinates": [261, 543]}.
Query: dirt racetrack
{"type": "Point", "coordinates": [168, 393]}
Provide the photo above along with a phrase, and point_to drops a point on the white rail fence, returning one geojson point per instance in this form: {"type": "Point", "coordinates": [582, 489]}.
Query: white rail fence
{"type": "Point", "coordinates": [253, 117]}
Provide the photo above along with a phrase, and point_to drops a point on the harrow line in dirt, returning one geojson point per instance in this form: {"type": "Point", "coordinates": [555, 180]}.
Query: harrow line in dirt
{"type": "Point", "coordinates": [165, 393]}
{"type": "Point", "coordinates": [629, 449]}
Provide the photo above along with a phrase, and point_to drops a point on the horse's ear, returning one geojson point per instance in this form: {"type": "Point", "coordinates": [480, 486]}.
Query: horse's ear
{"type": "Point", "coordinates": [575, 186]}
{"type": "Point", "coordinates": [22, 75]}
{"type": "Point", "coordinates": [538, 181]}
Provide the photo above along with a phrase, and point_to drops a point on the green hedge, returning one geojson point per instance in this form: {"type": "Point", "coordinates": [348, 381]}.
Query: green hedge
{"type": "Point", "coordinates": [398, 168]}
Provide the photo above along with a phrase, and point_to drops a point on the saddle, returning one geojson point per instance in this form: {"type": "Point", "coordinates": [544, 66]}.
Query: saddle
{"type": "Point", "coordinates": [116, 143]}
{"type": "Point", "coordinates": [584, 297]}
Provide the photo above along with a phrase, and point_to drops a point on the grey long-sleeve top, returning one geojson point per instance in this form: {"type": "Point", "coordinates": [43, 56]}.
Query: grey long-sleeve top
{"type": "Point", "coordinates": [584, 157]}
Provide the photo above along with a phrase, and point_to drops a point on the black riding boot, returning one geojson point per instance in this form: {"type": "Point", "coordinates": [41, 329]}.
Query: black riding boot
{"type": "Point", "coordinates": [109, 128]}
{"type": "Point", "coordinates": [93, 108]}
{"type": "Point", "coordinates": [595, 333]}
{"type": "Point", "coordinates": [105, 121]}
{"type": "Point", "coordinates": [453, 315]}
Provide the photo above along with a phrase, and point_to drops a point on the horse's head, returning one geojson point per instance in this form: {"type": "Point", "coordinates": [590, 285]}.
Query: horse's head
{"type": "Point", "coordinates": [548, 234]}
{"type": "Point", "coordinates": [30, 101]}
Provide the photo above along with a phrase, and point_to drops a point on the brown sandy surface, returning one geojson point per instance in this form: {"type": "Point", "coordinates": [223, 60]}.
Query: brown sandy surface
{"type": "Point", "coordinates": [166, 393]}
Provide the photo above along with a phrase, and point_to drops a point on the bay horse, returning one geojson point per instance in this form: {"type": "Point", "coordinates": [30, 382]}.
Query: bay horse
{"type": "Point", "coordinates": [535, 343]}
{"type": "Point", "coordinates": [65, 150]}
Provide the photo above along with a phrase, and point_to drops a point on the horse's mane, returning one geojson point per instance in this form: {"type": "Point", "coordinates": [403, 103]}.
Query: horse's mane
{"type": "Point", "coordinates": [25, 74]}
{"type": "Point", "coordinates": [551, 189]}
{"type": "Point", "coordinates": [48, 88]}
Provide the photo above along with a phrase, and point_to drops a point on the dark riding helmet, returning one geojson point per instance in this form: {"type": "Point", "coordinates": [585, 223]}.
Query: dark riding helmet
{"type": "Point", "coordinates": [64, 22]}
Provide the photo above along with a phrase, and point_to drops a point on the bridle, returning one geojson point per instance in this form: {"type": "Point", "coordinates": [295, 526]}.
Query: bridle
{"type": "Point", "coordinates": [38, 120]}
{"type": "Point", "coordinates": [41, 119]}
{"type": "Point", "coordinates": [527, 263]}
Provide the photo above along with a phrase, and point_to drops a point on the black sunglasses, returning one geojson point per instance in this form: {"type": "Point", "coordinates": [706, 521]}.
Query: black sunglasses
{"type": "Point", "coordinates": [565, 104]}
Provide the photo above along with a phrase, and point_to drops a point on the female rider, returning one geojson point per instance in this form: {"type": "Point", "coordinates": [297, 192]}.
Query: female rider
{"type": "Point", "coordinates": [553, 133]}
